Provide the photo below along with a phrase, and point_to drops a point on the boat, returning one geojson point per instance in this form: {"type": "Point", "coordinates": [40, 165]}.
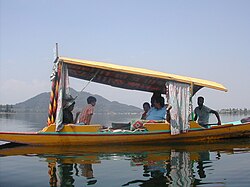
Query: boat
{"type": "Point", "coordinates": [181, 128]}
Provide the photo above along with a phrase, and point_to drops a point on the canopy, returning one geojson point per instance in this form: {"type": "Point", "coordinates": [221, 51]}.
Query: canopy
{"type": "Point", "coordinates": [130, 77]}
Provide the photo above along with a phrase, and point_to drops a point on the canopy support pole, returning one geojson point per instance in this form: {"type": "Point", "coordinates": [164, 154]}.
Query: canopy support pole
{"type": "Point", "coordinates": [191, 103]}
{"type": "Point", "coordinates": [88, 83]}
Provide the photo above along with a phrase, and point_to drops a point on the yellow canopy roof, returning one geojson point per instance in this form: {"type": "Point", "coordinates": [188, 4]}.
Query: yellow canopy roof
{"type": "Point", "coordinates": [131, 77]}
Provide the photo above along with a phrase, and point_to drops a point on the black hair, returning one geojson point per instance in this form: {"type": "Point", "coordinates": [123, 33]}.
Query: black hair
{"type": "Point", "coordinates": [200, 97]}
{"type": "Point", "coordinates": [146, 103]}
{"type": "Point", "coordinates": [154, 96]}
{"type": "Point", "coordinates": [160, 100]}
{"type": "Point", "coordinates": [91, 99]}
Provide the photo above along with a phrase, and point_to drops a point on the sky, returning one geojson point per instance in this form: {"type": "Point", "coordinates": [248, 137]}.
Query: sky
{"type": "Point", "coordinates": [206, 39]}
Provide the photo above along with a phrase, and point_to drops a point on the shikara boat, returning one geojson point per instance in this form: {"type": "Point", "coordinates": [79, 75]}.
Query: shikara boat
{"type": "Point", "coordinates": [184, 130]}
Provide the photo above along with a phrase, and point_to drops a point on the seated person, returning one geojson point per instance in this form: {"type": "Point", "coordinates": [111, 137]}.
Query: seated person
{"type": "Point", "coordinates": [156, 114]}
{"type": "Point", "coordinates": [68, 106]}
{"type": "Point", "coordinates": [158, 111]}
{"type": "Point", "coordinates": [146, 108]}
{"type": "Point", "coordinates": [88, 110]}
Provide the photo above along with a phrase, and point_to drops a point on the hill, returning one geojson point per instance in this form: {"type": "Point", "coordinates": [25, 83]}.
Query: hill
{"type": "Point", "coordinates": [40, 103]}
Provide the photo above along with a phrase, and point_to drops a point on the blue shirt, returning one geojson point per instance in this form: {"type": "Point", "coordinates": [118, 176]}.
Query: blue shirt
{"type": "Point", "coordinates": [156, 114]}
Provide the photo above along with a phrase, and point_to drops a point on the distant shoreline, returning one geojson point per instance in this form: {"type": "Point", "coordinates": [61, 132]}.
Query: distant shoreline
{"type": "Point", "coordinates": [124, 113]}
{"type": "Point", "coordinates": [234, 111]}
{"type": "Point", "coordinates": [37, 112]}
{"type": "Point", "coordinates": [4, 113]}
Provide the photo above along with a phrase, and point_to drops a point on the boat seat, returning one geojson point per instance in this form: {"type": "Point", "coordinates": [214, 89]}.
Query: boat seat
{"type": "Point", "coordinates": [157, 126]}
{"type": "Point", "coordinates": [73, 128]}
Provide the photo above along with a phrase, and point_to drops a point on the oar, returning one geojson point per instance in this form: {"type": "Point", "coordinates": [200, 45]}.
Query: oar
{"type": "Point", "coordinates": [209, 125]}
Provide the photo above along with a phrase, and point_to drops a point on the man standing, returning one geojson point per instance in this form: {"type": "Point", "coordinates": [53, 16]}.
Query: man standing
{"type": "Point", "coordinates": [202, 113]}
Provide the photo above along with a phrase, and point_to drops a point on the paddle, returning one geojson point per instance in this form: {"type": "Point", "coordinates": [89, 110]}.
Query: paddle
{"type": "Point", "coordinates": [209, 125]}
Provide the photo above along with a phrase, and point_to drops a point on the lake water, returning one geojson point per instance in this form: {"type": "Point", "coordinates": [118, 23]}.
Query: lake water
{"type": "Point", "coordinates": [223, 163]}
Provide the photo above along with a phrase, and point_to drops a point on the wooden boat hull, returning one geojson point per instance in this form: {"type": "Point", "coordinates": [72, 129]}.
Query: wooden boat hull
{"type": "Point", "coordinates": [154, 133]}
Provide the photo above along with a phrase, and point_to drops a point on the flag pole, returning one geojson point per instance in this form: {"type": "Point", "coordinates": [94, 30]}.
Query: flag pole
{"type": "Point", "coordinates": [57, 54]}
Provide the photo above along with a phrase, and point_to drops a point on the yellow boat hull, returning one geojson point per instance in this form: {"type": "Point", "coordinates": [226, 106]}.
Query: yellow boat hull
{"type": "Point", "coordinates": [94, 135]}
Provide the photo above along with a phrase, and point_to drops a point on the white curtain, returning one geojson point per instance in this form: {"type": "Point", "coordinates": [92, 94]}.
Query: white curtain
{"type": "Point", "coordinates": [178, 96]}
{"type": "Point", "coordinates": [63, 92]}
{"type": "Point", "coordinates": [181, 169]}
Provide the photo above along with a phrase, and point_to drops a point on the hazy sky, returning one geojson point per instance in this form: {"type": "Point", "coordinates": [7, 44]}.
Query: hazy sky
{"type": "Point", "coordinates": [208, 39]}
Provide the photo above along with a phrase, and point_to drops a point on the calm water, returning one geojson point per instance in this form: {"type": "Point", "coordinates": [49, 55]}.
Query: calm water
{"type": "Point", "coordinates": [224, 163]}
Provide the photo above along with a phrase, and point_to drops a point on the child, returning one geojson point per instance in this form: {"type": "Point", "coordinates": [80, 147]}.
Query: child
{"type": "Point", "coordinates": [146, 107]}
{"type": "Point", "coordinates": [88, 111]}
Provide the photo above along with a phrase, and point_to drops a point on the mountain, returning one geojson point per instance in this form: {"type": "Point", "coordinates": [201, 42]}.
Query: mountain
{"type": "Point", "coordinates": [40, 103]}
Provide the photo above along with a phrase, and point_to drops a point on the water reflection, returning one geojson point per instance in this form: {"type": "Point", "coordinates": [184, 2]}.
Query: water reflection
{"type": "Point", "coordinates": [176, 170]}
{"type": "Point", "coordinates": [64, 168]}
{"type": "Point", "coordinates": [156, 165]}
{"type": "Point", "coordinates": [62, 173]}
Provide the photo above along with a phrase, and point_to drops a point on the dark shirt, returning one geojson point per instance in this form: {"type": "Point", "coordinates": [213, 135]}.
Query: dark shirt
{"type": "Point", "coordinates": [67, 116]}
{"type": "Point", "coordinates": [144, 115]}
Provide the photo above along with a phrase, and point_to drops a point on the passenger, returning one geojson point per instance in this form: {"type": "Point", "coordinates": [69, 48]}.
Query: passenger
{"type": "Point", "coordinates": [202, 113]}
{"type": "Point", "coordinates": [158, 94]}
{"type": "Point", "coordinates": [158, 111]}
{"type": "Point", "coordinates": [88, 111]}
{"type": "Point", "coordinates": [68, 106]}
{"type": "Point", "coordinates": [146, 107]}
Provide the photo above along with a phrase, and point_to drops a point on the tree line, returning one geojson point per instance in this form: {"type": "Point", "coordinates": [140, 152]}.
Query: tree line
{"type": "Point", "coordinates": [7, 108]}
{"type": "Point", "coordinates": [244, 111]}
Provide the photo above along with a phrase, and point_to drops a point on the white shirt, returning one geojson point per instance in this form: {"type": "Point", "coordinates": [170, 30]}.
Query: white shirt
{"type": "Point", "coordinates": [203, 114]}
